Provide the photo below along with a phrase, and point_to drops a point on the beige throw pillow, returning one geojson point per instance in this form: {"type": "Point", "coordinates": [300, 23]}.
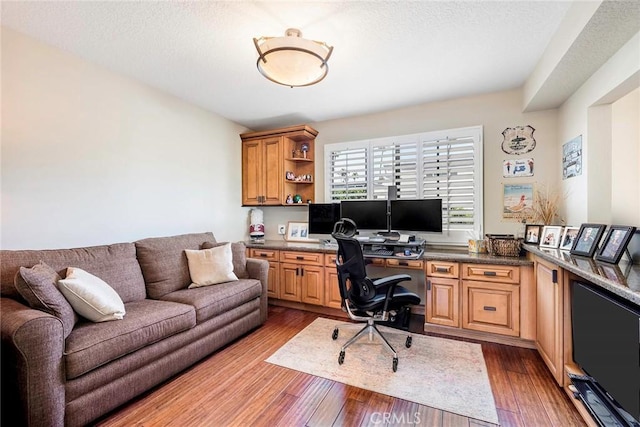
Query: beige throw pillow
{"type": "Point", "coordinates": [91, 297]}
{"type": "Point", "coordinates": [210, 266]}
{"type": "Point", "coordinates": [238, 255]}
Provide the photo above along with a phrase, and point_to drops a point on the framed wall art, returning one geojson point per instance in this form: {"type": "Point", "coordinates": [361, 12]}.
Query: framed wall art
{"type": "Point", "coordinates": [517, 201]}
{"type": "Point", "coordinates": [297, 232]}
{"type": "Point", "coordinates": [568, 236]}
{"type": "Point", "coordinates": [615, 243]}
{"type": "Point", "coordinates": [551, 235]}
{"type": "Point", "coordinates": [587, 241]}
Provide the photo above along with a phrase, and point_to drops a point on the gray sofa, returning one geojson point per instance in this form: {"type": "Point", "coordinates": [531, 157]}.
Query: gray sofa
{"type": "Point", "coordinates": [48, 380]}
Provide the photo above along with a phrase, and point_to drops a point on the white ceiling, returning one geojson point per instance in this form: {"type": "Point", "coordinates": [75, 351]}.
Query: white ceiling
{"type": "Point", "coordinates": [387, 54]}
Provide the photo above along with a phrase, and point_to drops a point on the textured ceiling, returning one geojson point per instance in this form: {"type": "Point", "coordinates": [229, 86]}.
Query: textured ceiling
{"type": "Point", "coordinates": [386, 54]}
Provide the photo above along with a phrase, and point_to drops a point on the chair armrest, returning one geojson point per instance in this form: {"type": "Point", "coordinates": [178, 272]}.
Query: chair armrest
{"type": "Point", "coordinates": [390, 283]}
{"type": "Point", "coordinates": [32, 364]}
{"type": "Point", "coordinates": [259, 269]}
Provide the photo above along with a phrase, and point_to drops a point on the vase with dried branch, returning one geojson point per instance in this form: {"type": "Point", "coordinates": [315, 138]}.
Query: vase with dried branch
{"type": "Point", "coordinates": [545, 206]}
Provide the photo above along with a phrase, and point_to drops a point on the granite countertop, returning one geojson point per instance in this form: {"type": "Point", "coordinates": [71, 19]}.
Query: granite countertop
{"type": "Point", "coordinates": [622, 279]}
{"type": "Point", "coordinates": [430, 253]}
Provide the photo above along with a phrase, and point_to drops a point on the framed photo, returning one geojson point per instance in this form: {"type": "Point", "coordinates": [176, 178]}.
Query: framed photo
{"type": "Point", "coordinates": [517, 201]}
{"type": "Point", "coordinates": [297, 232]}
{"type": "Point", "coordinates": [612, 272]}
{"type": "Point", "coordinates": [568, 236]}
{"type": "Point", "coordinates": [587, 241]}
{"type": "Point", "coordinates": [551, 235]}
{"type": "Point", "coordinates": [532, 233]}
{"type": "Point", "coordinates": [615, 243]}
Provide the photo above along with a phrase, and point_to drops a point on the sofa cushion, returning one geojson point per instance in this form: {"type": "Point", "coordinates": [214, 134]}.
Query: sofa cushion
{"type": "Point", "coordinates": [164, 263]}
{"type": "Point", "coordinates": [38, 285]}
{"type": "Point", "coordinates": [115, 264]}
{"type": "Point", "coordinates": [211, 301]}
{"type": "Point", "coordinates": [90, 296]}
{"type": "Point", "coordinates": [239, 255]}
{"type": "Point", "coordinates": [91, 345]}
{"type": "Point", "coordinates": [210, 266]}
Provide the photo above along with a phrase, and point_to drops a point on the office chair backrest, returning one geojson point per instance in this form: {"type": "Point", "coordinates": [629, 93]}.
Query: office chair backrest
{"type": "Point", "coordinates": [350, 264]}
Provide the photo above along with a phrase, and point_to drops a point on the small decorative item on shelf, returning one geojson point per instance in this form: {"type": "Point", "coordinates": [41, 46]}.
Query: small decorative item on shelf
{"type": "Point", "coordinates": [290, 176]}
{"type": "Point", "coordinates": [289, 199]}
{"type": "Point", "coordinates": [304, 147]}
{"type": "Point", "coordinates": [295, 154]}
{"type": "Point", "coordinates": [297, 199]}
{"type": "Point", "coordinates": [477, 246]}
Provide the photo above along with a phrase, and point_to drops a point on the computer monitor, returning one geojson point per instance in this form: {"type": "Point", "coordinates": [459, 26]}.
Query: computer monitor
{"type": "Point", "coordinates": [367, 214]}
{"type": "Point", "coordinates": [416, 215]}
{"type": "Point", "coordinates": [322, 217]}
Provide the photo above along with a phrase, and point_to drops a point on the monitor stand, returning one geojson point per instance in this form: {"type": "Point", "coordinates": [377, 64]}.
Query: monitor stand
{"type": "Point", "coordinates": [391, 235]}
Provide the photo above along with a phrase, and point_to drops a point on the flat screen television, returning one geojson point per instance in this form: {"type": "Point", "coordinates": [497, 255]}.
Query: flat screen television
{"type": "Point", "coordinates": [367, 214]}
{"type": "Point", "coordinates": [416, 215]}
{"type": "Point", "coordinates": [322, 217]}
{"type": "Point", "coordinates": [606, 345]}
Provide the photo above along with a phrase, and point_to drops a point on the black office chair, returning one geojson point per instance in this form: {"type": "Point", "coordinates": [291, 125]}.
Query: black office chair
{"type": "Point", "coordinates": [369, 300]}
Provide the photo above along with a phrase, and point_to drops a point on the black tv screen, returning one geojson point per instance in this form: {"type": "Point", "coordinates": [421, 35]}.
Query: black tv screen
{"type": "Point", "coordinates": [367, 214]}
{"type": "Point", "coordinates": [606, 343]}
{"type": "Point", "coordinates": [417, 215]}
{"type": "Point", "coordinates": [322, 217]}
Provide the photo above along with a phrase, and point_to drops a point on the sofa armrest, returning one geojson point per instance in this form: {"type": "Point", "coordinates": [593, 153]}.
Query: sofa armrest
{"type": "Point", "coordinates": [32, 365]}
{"type": "Point", "coordinates": [259, 269]}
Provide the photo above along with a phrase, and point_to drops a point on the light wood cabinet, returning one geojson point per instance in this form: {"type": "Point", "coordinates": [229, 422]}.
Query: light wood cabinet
{"type": "Point", "coordinates": [549, 316]}
{"type": "Point", "coordinates": [331, 286]}
{"type": "Point", "coordinates": [302, 277]}
{"type": "Point", "coordinates": [491, 307]}
{"type": "Point", "coordinates": [273, 285]}
{"type": "Point", "coordinates": [278, 163]}
{"type": "Point", "coordinates": [442, 306]}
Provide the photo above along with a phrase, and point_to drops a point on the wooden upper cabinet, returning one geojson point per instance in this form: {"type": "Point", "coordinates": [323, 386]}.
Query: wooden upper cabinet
{"type": "Point", "coordinates": [278, 163]}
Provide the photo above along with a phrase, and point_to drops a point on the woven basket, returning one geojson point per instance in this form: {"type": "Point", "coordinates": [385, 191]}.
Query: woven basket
{"type": "Point", "coordinates": [503, 247]}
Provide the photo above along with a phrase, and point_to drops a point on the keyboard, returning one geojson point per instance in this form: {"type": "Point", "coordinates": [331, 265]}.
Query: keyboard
{"type": "Point", "coordinates": [378, 252]}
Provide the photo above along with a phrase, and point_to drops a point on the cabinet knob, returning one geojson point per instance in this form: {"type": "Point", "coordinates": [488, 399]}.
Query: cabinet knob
{"type": "Point", "coordinates": [264, 255]}
{"type": "Point", "coordinates": [300, 257]}
{"type": "Point", "coordinates": [442, 269]}
{"type": "Point", "coordinates": [489, 308]}
{"type": "Point", "coordinates": [554, 276]}
{"type": "Point", "coordinates": [403, 263]}
{"type": "Point", "coordinates": [489, 273]}
{"type": "Point", "coordinates": [428, 285]}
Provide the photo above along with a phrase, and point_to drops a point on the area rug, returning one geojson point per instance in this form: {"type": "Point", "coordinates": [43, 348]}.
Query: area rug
{"type": "Point", "coordinates": [436, 372]}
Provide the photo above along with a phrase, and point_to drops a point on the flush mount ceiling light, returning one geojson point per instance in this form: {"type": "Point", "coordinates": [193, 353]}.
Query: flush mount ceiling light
{"type": "Point", "coordinates": [291, 60]}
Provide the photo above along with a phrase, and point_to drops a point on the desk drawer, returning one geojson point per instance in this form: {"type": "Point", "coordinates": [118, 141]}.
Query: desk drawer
{"type": "Point", "coordinates": [491, 273]}
{"type": "Point", "coordinates": [330, 260]}
{"type": "Point", "coordinates": [443, 269]}
{"type": "Point", "coordinates": [416, 264]}
{"type": "Point", "coordinates": [268, 254]}
{"type": "Point", "coordinates": [310, 258]}
{"type": "Point", "coordinates": [491, 307]}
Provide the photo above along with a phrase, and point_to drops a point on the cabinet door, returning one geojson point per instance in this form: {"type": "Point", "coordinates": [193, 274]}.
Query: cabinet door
{"type": "Point", "coordinates": [549, 323]}
{"type": "Point", "coordinates": [272, 173]}
{"type": "Point", "coordinates": [312, 284]}
{"type": "Point", "coordinates": [331, 286]}
{"type": "Point", "coordinates": [289, 283]}
{"type": "Point", "coordinates": [273, 287]}
{"type": "Point", "coordinates": [252, 172]}
{"type": "Point", "coordinates": [443, 301]}
{"type": "Point", "coordinates": [491, 307]}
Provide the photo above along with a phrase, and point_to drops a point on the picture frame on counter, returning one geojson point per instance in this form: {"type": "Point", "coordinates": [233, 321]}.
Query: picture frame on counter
{"type": "Point", "coordinates": [588, 238]}
{"type": "Point", "coordinates": [615, 243]}
{"type": "Point", "coordinates": [297, 232]}
{"type": "Point", "coordinates": [569, 235]}
{"type": "Point", "coordinates": [551, 235]}
{"type": "Point", "coordinates": [532, 233]}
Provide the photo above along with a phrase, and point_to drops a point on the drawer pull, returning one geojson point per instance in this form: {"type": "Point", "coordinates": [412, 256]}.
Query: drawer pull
{"type": "Point", "coordinates": [442, 269]}
{"type": "Point", "coordinates": [489, 273]}
{"type": "Point", "coordinates": [300, 257]}
{"type": "Point", "coordinates": [403, 263]}
{"type": "Point", "coordinates": [489, 308]}
{"type": "Point", "coordinates": [264, 255]}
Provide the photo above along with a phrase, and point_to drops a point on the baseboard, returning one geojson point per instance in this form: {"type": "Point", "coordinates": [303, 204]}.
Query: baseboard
{"type": "Point", "coordinates": [479, 336]}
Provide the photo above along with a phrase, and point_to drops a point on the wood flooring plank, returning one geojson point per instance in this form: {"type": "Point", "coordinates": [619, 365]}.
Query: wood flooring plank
{"type": "Point", "coordinates": [307, 403]}
{"type": "Point", "coordinates": [329, 408]}
{"type": "Point", "coordinates": [531, 409]}
{"type": "Point", "coordinates": [429, 416]}
{"type": "Point", "coordinates": [509, 419]}
{"type": "Point", "coordinates": [454, 420]}
{"type": "Point", "coordinates": [377, 404]}
{"type": "Point", "coordinates": [503, 394]}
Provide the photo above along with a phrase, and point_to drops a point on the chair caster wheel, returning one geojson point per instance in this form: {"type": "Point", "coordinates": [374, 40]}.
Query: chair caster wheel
{"type": "Point", "coordinates": [409, 341]}
{"type": "Point", "coordinates": [395, 364]}
{"type": "Point", "coordinates": [334, 336]}
{"type": "Point", "coordinates": [341, 358]}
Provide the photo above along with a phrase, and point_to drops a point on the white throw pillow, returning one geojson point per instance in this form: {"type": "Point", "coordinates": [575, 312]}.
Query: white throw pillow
{"type": "Point", "coordinates": [90, 296]}
{"type": "Point", "coordinates": [210, 266]}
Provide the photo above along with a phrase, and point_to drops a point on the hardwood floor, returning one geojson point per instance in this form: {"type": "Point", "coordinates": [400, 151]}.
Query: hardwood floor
{"type": "Point", "coordinates": [236, 387]}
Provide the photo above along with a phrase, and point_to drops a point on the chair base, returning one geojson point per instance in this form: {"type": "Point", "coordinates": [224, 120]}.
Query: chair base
{"type": "Point", "coordinates": [370, 329]}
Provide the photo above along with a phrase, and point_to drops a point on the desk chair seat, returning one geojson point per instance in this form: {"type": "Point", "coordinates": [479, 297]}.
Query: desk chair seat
{"type": "Point", "coordinates": [369, 300]}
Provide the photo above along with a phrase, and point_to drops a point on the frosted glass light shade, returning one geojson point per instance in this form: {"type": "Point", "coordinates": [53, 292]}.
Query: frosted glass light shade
{"type": "Point", "coordinates": [291, 60]}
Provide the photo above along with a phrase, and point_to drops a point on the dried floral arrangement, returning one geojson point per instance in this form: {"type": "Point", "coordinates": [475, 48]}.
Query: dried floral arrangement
{"type": "Point", "coordinates": [545, 206]}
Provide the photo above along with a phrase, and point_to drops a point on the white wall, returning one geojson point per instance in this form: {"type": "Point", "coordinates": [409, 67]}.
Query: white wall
{"type": "Point", "coordinates": [494, 112]}
{"type": "Point", "coordinates": [588, 113]}
{"type": "Point", "coordinates": [91, 157]}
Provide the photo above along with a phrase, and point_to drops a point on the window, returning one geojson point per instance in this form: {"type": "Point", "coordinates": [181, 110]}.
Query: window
{"type": "Point", "coordinates": [442, 164]}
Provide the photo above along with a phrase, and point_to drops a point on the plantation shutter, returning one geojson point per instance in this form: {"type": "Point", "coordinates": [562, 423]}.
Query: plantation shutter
{"type": "Point", "coordinates": [395, 164]}
{"type": "Point", "coordinates": [347, 174]}
{"type": "Point", "coordinates": [448, 171]}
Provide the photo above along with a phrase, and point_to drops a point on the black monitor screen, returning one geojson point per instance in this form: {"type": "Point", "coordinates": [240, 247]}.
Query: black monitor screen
{"type": "Point", "coordinates": [322, 217]}
{"type": "Point", "coordinates": [417, 215]}
{"type": "Point", "coordinates": [367, 214]}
